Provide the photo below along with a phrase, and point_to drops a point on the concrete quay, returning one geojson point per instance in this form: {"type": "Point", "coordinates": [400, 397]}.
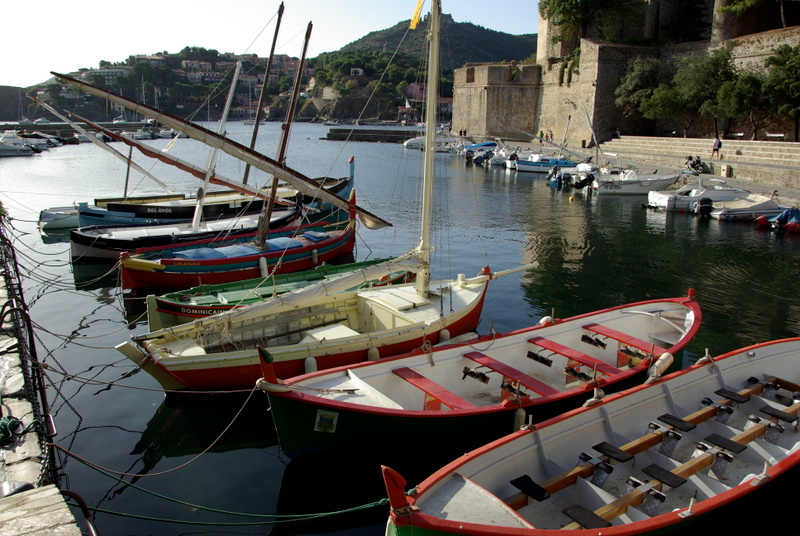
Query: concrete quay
{"type": "Point", "coordinates": [30, 502]}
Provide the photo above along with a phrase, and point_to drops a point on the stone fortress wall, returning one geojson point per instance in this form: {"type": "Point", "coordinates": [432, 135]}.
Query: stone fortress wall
{"type": "Point", "coordinates": [489, 102]}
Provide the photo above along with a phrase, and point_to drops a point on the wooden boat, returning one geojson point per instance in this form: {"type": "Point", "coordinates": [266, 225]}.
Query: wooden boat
{"type": "Point", "coordinates": [322, 325]}
{"type": "Point", "coordinates": [184, 306]}
{"type": "Point", "coordinates": [654, 459]}
{"type": "Point", "coordinates": [480, 389]}
{"type": "Point", "coordinates": [225, 259]}
{"type": "Point", "coordinates": [109, 241]}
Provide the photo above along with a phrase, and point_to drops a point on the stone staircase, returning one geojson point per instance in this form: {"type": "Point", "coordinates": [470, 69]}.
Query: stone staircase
{"type": "Point", "coordinates": [770, 162]}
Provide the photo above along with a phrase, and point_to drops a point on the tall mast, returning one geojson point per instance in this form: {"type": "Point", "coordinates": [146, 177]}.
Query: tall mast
{"type": "Point", "coordinates": [263, 94]}
{"type": "Point", "coordinates": [212, 158]}
{"type": "Point", "coordinates": [266, 215]}
{"type": "Point", "coordinates": [423, 277]}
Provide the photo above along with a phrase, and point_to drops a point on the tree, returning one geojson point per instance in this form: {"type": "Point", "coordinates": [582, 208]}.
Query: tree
{"type": "Point", "coordinates": [573, 18]}
{"type": "Point", "coordinates": [698, 79]}
{"type": "Point", "coordinates": [748, 94]}
{"type": "Point", "coordinates": [642, 77]}
{"type": "Point", "coordinates": [783, 81]}
{"type": "Point", "coordinates": [667, 102]}
{"type": "Point", "coordinates": [737, 7]}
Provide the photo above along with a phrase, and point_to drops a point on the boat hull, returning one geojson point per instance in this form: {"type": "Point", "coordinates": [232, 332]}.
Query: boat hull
{"type": "Point", "coordinates": [199, 302]}
{"type": "Point", "coordinates": [142, 275]}
{"type": "Point", "coordinates": [241, 369]}
{"type": "Point", "coordinates": [386, 407]}
{"type": "Point", "coordinates": [632, 187]}
{"type": "Point", "coordinates": [699, 475]}
{"type": "Point", "coordinates": [108, 242]}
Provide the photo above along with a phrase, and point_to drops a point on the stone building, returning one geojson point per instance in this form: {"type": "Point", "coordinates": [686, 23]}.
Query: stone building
{"type": "Point", "coordinates": [572, 94]}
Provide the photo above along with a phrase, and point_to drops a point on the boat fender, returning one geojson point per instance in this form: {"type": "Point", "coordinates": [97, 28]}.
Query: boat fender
{"type": "Point", "coordinates": [314, 256]}
{"type": "Point", "coordinates": [546, 320]}
{"type": "Point", "coordinates": [519, 418]}
{"type": "Point", "coordinates": [660, 367]}
{"type": "Point", "coordinates": [596, 398]}
{"type": "Point", "coordinates": [444, 335]}
{"type": "Point", "coordinates": [310, 365]}
{"type": "Point", "coordinates": [263, 267]}
{"type": "Point", "coordinates": [373, 354]}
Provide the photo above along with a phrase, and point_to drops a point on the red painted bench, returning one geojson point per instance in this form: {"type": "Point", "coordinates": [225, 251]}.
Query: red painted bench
{"type": "Point", "coordinates": [513, 374]}
{"type": "Point", "coordinates": [575, 355]}
{"type": "Point", "coordinates": [436, 392]}
{"type": "Point", "coordinates": [625, 338]}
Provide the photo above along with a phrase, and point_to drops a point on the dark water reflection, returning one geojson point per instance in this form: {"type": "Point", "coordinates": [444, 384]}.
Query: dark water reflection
{"type": "Point", "coordinates": [593, 252]}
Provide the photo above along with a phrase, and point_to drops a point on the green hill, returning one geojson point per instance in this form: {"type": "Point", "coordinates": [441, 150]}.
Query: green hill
{"type": "Point", "coordinates": [458, 43]}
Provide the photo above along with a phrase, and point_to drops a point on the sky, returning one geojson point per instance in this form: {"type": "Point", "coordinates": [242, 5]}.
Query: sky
{"type": "Point", "coordinates": [66, 36]}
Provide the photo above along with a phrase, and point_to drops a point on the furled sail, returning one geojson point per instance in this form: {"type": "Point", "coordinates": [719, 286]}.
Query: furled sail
{"type": "Point", "coordinates": [298, 298]}
{"type": "Point", "coordinates": [232, 148]}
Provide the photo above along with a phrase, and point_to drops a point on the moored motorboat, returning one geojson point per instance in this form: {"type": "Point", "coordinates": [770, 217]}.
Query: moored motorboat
{"type": "Point", "coordinates": [483, 388]}
{"type": "Point", "coordinates": [538, 163]}
{"type": "Point", "coordinates": [691, 197]}
{"type": "Point", "coordinates": [657, 458]}
{"type": "Point", "coordinates": [747, 208]}
{"type": "Point", "coordinates": [631, 182]}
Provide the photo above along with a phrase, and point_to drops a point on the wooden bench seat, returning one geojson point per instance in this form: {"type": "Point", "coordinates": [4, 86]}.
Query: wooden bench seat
{"type": "Point", "coordinates": [513, 374]}
{"type": "Point", "coordinates": [636, 446]}
{"type": "Point", "coordinates": [432, 389]}
{"type": "Point", "coordinates": [625, 338]}
{"type": "Point", "coordinates": [575, 355]}
{"type": "Point", "coordinates": [683, 471]}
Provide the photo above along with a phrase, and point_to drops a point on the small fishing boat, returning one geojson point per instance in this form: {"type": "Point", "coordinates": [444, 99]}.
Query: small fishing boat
{"type": "Point", "coordinates": [109, 241]}
{"type": "Point", "coordinates": [483, 388]}
{"type": "Point", "coordinates": [654, 459]}
{"type": "Point", "coordinates": [183, 306]}
{"type": "Point", "coordinates": [224, 259]}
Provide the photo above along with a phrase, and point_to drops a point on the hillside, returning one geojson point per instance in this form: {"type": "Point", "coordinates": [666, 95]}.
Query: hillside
{"type": "Point", "coordinates": [458, 43]}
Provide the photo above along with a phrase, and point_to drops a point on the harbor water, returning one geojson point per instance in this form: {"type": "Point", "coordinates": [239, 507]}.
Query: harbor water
{"type": "Point", "coordinates": [205, 463]}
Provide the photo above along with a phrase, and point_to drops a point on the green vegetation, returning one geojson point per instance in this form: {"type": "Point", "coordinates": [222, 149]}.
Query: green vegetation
{"type": "Point", "coordinates": [709, 87]}
{"type": "Point", "coordinates": [573, 19]}
{"type": "Point", "coordinates": [738, 7]}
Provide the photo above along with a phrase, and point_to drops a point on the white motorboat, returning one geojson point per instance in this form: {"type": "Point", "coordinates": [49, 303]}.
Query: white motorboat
{"type": "Point", "coordinates": [687, 198]}
{"type": "Point", "coordinates": [7, 149]}
{"type": "Point", "coordinates": [630, 182]}
{"type": "Point", "coordinates": [746, 208]}
{"type": "Point", "coordinates": [444, 141]}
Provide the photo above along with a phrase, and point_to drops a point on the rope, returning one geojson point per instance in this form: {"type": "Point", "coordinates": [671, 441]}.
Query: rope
{"type": "Point", "coordinates": [11, 426]}
{"type": "Point", "coordinates": [268, 518]}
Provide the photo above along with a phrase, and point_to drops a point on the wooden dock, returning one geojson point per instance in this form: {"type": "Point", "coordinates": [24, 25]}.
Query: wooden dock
{"type": "Point", "coordinates": [355, 133]}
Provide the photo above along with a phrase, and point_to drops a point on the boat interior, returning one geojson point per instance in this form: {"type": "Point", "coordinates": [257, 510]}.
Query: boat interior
{"type": "Point", "coordinates": [644, 456]}
{"type": "Point", "coordinates": [529, 365]}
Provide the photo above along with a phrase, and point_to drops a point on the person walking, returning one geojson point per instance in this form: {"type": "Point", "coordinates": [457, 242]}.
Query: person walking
{"type": "Point", "coordinates": [716, 147]}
